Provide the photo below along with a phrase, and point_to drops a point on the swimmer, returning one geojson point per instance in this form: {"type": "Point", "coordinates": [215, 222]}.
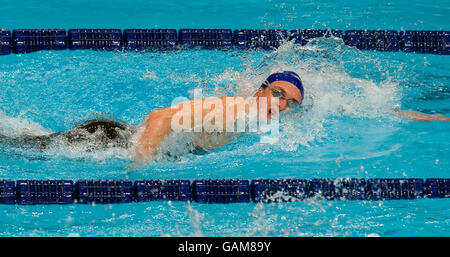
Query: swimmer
{"type": "Point", "coordinates": [286, 86]}
{"type": "Point", "coordinates": [97, 134]}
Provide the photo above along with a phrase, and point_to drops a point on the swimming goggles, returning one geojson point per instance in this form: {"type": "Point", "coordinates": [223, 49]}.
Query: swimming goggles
{"type": "Point", "coordinates": [291, 103]}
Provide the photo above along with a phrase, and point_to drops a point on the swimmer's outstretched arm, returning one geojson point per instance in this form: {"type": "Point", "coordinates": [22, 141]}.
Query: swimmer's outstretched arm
{"type": "Point", "coordinates": [418, 116]}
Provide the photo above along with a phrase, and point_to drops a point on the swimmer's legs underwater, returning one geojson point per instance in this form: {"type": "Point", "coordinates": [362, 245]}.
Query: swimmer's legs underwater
{"type": "Point", "coordinates": [92, 135]}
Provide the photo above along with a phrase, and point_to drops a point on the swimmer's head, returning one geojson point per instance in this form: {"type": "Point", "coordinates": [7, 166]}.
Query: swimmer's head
{"type": "Point", "coordinates": [286, 86]}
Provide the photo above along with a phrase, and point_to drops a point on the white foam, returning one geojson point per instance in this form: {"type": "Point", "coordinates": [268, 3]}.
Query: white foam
{"type": "Point", "coordinates": [330, 88]}
{"type": "Point", "coordinates": [17, 126]}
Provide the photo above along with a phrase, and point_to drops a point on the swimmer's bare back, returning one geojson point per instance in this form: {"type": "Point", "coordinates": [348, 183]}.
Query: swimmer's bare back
{"type": "Point", "coordinates": [159, 123]}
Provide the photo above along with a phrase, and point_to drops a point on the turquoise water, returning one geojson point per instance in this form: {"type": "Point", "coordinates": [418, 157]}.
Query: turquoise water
{"type": "Point", "coordinates": [348, 132]}
{"type": "Point", "coordinates": [233, 14]}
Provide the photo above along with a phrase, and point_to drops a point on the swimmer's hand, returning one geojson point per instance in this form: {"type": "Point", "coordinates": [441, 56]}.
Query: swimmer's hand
{"type": "Point", "coordinates": [418, 116]}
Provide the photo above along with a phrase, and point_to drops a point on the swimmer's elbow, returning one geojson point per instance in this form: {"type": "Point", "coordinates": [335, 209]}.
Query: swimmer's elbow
{"type": "Point", "coordinates": [156, 127]}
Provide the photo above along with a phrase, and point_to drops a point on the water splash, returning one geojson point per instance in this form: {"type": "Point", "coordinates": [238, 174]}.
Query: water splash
{"type": "Point", "coordinates": [196, 220]}
{"type": "Point", "coordinates": [340, 82]}
{"type": "Point", "coordinates": [18, 126]}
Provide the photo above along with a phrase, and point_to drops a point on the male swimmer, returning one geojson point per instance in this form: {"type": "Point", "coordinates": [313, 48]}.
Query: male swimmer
{"type": "Point", "coordinates": [281, 91]}
{"type": "Point", "coordinates": [284, 86]}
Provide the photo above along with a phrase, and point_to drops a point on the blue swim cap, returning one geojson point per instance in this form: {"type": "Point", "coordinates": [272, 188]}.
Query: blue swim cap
{"type": "Point", "coordinates": [288, 76]}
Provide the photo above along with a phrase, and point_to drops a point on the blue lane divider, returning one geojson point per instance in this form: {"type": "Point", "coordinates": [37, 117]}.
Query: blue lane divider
{"type": "Point", "coordinates": [103, 191]}
{"type": "Point", "coordinates": [206, 38]}
{"type": "Point", "coordinates": [437, 188]}
{"type": "Point", "coordinates": [5, 42]}
{"type": "Point", "coordinates": [279, 190]}
{"type": "Point", "coordinates": [7, 192]}
{"type": "Point", "coordinates": [153, 190]}
{"type": "Point", "coordinates": [149, 39]}
{"type": "Point", "coordinates": [380, 40]}
{"type": "Point", "coordinates": [96, 39]}
{"type": "Point", "coordinates": [301, 36]}
{"type": "Point", "coordinates": [30, 40]}
{"type": "Point", "coordinates": [337, 189]}
{"type": "Point", "coordinates": [219, 190]}
{"type": "Point", "coordinates": [392, 189]}
{"type": "Point", "coordinates": [259, 38]}
{"type": "Point", "coordinates": [44, 192]}
{"type": "Point", "coordinates": [434, 42]}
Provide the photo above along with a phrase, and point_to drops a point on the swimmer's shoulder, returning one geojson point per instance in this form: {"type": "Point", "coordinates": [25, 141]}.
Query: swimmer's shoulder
{"type": "Point", "coordinates": [162, 112]}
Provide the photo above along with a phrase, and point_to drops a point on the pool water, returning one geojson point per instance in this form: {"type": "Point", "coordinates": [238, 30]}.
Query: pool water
{"type": "Point", "coordinates": [348, 131]}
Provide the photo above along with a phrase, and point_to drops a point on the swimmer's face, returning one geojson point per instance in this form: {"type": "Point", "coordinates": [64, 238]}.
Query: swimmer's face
{"type": "Point", "coordinates": [288, 91]}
